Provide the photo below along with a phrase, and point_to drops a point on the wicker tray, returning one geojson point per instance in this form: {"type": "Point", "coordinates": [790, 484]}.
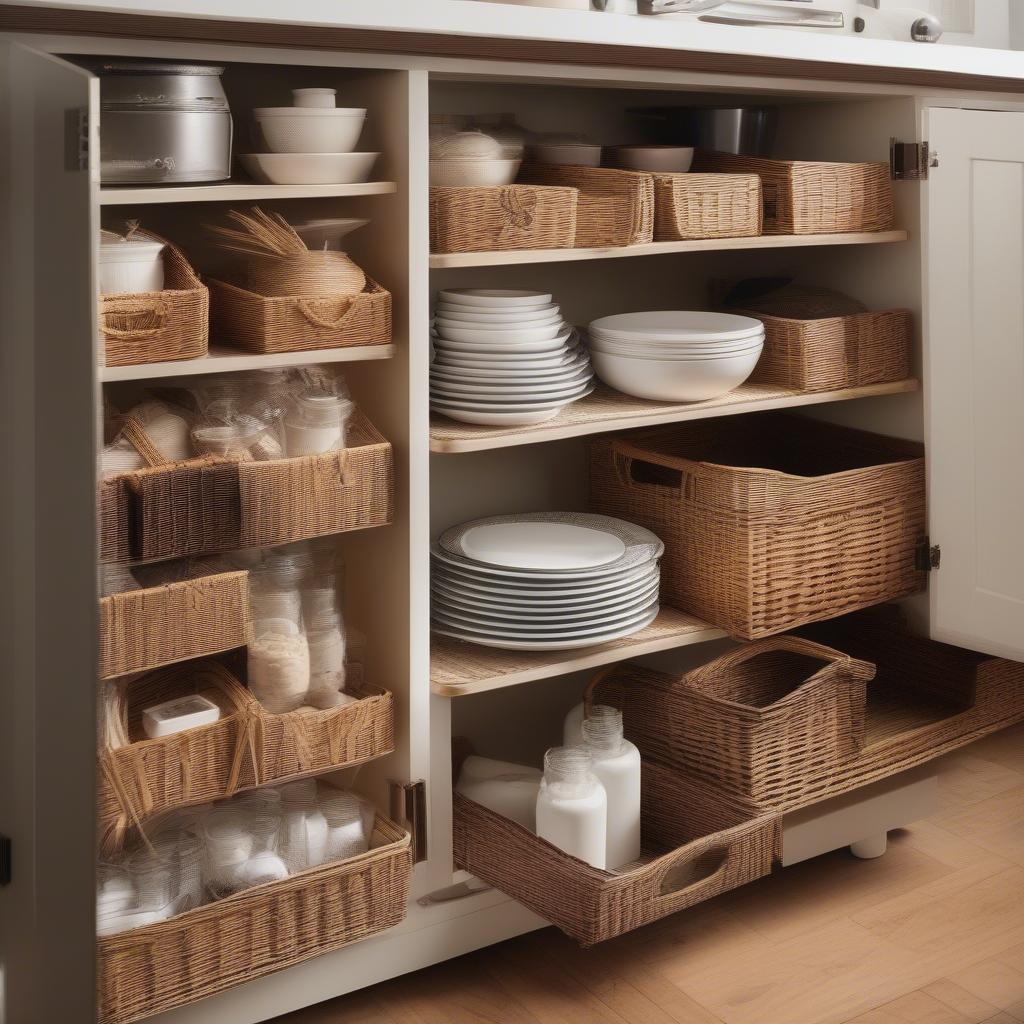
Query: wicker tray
{"type": "Point", "coordinates": [261, 323]}
{"type": "Point", "coordinates": [811, 198]}
{"type": "Point", "coordinates": [697, 845]}
{"type": "Point", "coordinates": [615, 207]}
{"type": "Point", "coordinates": [772, 521]}
{"type": "Point", "coordinates": [706, 206]}
{"type": "Point", "coordinates": [501, 218]}
{"type": "Point", "coordinates": [146, 629]}
{"type": "Point", "coordinates": [247, 747]}
{"type": "Point", "coordinates": [255, 932]}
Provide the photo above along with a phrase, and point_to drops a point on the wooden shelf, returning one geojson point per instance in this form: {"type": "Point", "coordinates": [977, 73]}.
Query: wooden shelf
{"type": "Point", "coordinates": [607, 410]}
{"type": "Point", "coordinates": [458, 668]}
{"type": "Point", "coordinates": [496, 259]}
{"type": "Point", "coordinates": [225, 360]}
{"type": "Point", "coordinates": [230, 192]}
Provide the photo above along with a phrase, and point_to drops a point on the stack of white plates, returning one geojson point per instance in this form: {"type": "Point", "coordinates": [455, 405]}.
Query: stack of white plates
{"type": "Point", "coordinates": [676, 356]}
{"type": "Point", "coordinates": [504, 358]}
{"type": "Point", "coordinates": [544, 581]}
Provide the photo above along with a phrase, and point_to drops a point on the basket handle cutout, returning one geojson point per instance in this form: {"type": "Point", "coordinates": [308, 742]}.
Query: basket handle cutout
{"type": "Point", "coordinates": [682, 878]}
{"type": "Point", "coordinates": [638, 466]}
{"type": "Point", "coordinates": [150, 318]}
{"type": "Point", "coordinates": [320, 319]}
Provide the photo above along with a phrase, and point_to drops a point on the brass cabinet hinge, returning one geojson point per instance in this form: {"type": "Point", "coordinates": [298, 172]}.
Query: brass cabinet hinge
{"type": "Point", "coordinates": [408, 802]}
{"type": "Point", "coordinates": [909, 161]}
{"type": "Point", "coordinates": [927, 556]}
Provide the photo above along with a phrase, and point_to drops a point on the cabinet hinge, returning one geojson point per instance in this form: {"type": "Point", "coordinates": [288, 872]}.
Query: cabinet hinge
{"type": "Point", "coordinates": [927, 556]}
{"type": "Point", "coordinates": [76, 139]}
{"type": "Point", "coordinates": [409, 808]}
{"type": "Point", "coordinates": [909, 161]}
{"type": "Point", "coordinates": [5, 860]}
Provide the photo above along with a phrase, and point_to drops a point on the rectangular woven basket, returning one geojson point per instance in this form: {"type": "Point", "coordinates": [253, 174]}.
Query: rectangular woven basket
{"type": "Point", "coordinates": [246, 747]}
{"type": "Point", "coordinates": [814, 197]}
{"type": "Point", "coordinates": [154, 327]}
{"type": "Point", "coordinates": [292, 323]}
{"type": "Point", "coordinates": [688, 206]}
{"type": "Point", "coordinates": [697, 842]}
{"type": "Point", "coordinates": [502, 217]}
{"type": "Point", "coordinates": [615, 207]}
{"type": "Point", "coordinates": [769, 522]}
{"type": "Point", "coordinates": [834, 352]}
{"type": "Point", "coordinates": [254, 933]}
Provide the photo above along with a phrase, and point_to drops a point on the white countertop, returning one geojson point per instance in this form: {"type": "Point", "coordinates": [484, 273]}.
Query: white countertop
{"type": "Point", "coordinates": [506, 21]}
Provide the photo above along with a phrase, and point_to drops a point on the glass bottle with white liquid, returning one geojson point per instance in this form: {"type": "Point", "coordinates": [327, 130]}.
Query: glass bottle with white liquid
{"type": "Point", "coordinates": [572, 810]}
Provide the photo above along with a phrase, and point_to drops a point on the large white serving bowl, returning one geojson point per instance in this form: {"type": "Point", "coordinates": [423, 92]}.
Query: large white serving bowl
{"type": "Point", "coordinates": [494, 298]}
{"type": "Point", "coordinates": [309, 168]}
{"type": "Point", "coordinates": [477, 334]}
{"type": "Point", "coordinates": [311, 129]}
{"type": "Point", "coordinates": [473, 173]}
{"type": "Point", "coordinates": [680, 325]}
{"type": "Point", "coordinates": [673, 351]}
{"type": "Point", "coordinates": [496, 317]}
{"type": "Point", "coordinates": [690, 380]}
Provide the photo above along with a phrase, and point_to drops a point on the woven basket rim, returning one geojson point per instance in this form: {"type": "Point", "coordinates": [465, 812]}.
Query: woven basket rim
{"type": "Point", "coordinates": [174, 585]}
{"type": "Point", "coordinates": [877, 164]}
{"type": "Point", "coordinates": [863, 315]}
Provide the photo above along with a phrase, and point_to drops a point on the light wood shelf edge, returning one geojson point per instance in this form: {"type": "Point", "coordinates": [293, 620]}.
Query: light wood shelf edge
{"type": "Point", "coordinates": [439, 261]}
{"type": "Point", "coordinates": [447, 436]}
{"type": "Point", "coordinates": [229, 191]}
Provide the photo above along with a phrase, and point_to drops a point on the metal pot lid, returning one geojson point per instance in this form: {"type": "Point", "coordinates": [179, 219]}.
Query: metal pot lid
{"type": "Point", "coordinates": [127, 66]}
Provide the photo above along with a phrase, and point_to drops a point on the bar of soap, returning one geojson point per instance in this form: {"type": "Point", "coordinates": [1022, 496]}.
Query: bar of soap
{"type": "Point", "coordinates": [177, 715]}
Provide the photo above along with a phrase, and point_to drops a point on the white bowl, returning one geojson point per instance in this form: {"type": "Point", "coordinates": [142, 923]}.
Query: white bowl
{"type": "Point", "coordinates": [677, 325]}
{"type": "Point", "coordinates": [578, 154]}
{"type": "Point", "coordinates": [496, 317]}
{"type": "Point", "coordinates": [495, 298]}
{"type": "Point", "coordinates": [659, 159]}
{"type": "Point", "coordinates": [310, 129]}
{"type": "Point", "coordinates": [326, 232]}
{"type": "Point", "coordinates": [319, 98]}
{"type": "Point", "coordinates": [692, 380]}
{"type": "Point", "coordinates": [660, 350]}
{"type": "Point", "coordinates": [477, 334]}
{"type": "Point", "coordinates": [469, 173]}
{"type": "Point", "coordinates": [309, 168]}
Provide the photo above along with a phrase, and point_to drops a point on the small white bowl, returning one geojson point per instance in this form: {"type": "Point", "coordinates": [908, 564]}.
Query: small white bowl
{"type": "Point", "coordinates": [494, 298]}
{"type": "Point", "coordinates": [576, 154]}
{"type": "Point", "coordinates": [476, 334]}
{"type": "Point", "coordinates": [310, 129]}
{"type": "Point", "coordinates": [322, 99]}
{"type": "Point", "coordinates": [309, 168]}
{"type": "Point", "coordinates": [471, 173]}
{"type": "Point", "coordinates": [658, 159]}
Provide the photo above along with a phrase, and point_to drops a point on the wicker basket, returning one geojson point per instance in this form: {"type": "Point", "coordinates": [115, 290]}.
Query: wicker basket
{"type": "Point", "coordinates": [503, 217]}
{"type": "Point", "coordinates": [153, 327]}
{"type": "Point", "coordinates": [261, 323]}
{"type": "Point", "coordinates": [812, 198]}
{"type": "Point", "coordinates": [697, 844]}
{"type": "Point", "coordinates": [254, 933]}
{"type": "Point", "coordinates": [245, 748]}
{"type": "Point", "coordinates": [146, 629]}
{"type": "Point", "coordinates": [706, 206]}
{"type": "Point", "coordinates": [771, 521]}
{"type": "Point", "coordinates": [615, 207]}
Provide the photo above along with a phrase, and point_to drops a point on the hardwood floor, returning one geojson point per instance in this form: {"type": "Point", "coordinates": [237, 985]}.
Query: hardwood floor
{"type": "Point", "coordinates": [931, 933]}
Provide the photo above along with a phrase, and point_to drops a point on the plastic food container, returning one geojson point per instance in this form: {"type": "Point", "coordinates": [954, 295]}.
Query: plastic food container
{"type": "Point", "coordinates": [130, 266]}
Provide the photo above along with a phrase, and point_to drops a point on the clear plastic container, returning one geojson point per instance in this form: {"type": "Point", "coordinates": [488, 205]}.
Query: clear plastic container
{"type": "Point", "coordinates": [347, 831]}
{"type": "Point", "coordinates": [572, 809]}
{"type": "Point", "coordinates": [279, 665]}
{"type": "Point", "coordinates": [230, 441]}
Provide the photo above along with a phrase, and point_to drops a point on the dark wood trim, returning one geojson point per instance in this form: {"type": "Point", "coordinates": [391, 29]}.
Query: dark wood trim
{"type": "Point", "coordinates": [426, 44]}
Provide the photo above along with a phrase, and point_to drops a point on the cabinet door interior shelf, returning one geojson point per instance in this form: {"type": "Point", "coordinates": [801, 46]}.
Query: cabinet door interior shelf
{"type": "Point", "coordinates": [607, 409]}
{"type": "Point", "coordinates": [230, 192]}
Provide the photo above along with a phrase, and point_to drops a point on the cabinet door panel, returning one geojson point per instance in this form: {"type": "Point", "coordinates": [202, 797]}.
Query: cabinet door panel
{"type": "Point", "coordinates": [974, 378]}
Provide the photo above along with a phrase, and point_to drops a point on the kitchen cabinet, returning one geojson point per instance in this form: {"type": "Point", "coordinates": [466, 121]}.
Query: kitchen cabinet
{"type": "Point", "coordinates": [954, 260]}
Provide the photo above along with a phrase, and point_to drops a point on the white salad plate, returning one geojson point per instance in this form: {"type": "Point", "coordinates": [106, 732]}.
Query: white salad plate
{"type": "Point", "coordinates": [500, 298]}
{"type": "Point", "coordinates": [476, 334]}
{"type": "Point", "coordinates": [474, 315]}
{"type": "Point", "coordinates": [532, 588]}
{"type": "Point", "coordinates": [554, 626]}
{"type": "Point", "coordinates": [519, 418]}
{"type": "Point", "coordinates": [506, 347]}
{"type": "Point", "coordinates": [530, 611]}
{"type": "Point", "coordinates": [552, 546]}
{"type": "Point", "coordinates": [506, 405]}
{"type": "Point", "coordinates": [511, 390]}
{"type": "Point", "coordinates": [543, 361]}
{"type": "Point", "coordinates": [481, 375]}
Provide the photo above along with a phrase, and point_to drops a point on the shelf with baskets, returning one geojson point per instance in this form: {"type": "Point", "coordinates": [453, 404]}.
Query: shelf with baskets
{"type": "Point", "coordinates": [230, 191]}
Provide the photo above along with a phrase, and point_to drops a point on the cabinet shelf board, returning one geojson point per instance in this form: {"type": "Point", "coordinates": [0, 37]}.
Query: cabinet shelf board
{"type": "Point", "coordinates": [230, 192]}
{"type": "Point", "coordinates": [458, 668]}
{"type": "Point", "coordinates": [226, 360]}
{"type": "Point", "coordinates": [512, 256]}
{"type": "Point", "coordinates": [606, 410]}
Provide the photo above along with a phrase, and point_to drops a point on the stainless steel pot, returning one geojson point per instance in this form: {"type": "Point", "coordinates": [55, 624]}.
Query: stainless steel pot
{"type": "Point", "coordinates": [749, 131]}
{"type": "Point", "coordinates": [163, 123]}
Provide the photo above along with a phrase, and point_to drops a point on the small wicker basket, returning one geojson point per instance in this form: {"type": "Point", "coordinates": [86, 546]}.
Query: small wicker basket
{"type": "Point", "coordinates": [689, 206]}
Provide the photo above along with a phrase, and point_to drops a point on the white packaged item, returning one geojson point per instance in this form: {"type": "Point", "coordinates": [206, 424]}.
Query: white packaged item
{"type": "Point", "coordinates": [347, 831]}
{"type": "Point", "coordinates": [616, 762]}
{"type": "Point", "coordinates": [507, 789]}
{"type": "Point", "coordinates": [262, 868]}
{"type": "Point", "coordinates": [572, 809]}
{"type": "Point", "coordinates": [178, 714]}
{"type": "Point", "coordinates": [317, 425]}
{"type": "Point", "coordinates": [304, 825]}
{"type": "Point", "coordinates": [278, 665]}
{"type": "Point", "coordinates": [130, 266]}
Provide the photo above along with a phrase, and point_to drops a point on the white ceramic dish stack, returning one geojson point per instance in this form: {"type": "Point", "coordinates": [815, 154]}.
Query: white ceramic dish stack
{"type": "Point", "coordinates": [310, 143]}
{"type": "Point", "coordinates": [504, 358]}
{"type": "Point", "coordinates": [544, 581]}
{"type": "Point", "coordinates": [675, 356]}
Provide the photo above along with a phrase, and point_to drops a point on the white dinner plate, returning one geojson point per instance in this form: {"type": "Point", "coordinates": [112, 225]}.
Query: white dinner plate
{"type": "Point", "coordinates": [530, 610]}
{"type": "Point", "coordinates": [502, 396]}
{"type": "Point", "coordinates": [529, 629]}
{"type": "Point", "coordinates": [553, 546]}
{"type": "Point", "coordinates": [507, 405]}
{"type": "Point", "coordinates": [512, 389]}
{"type": "Point", "coordinates": [478, 335]}
{"type": "Point", "coordinates": [477, 375]}
{"type": "Point", "coordinates": [501, 298]}
{"type": "Point", "coordinates": [544, 590]}
{"type": "Point", "coordinates": [507, 348]}
{"type": "Point", "coordinates": [495, 317]}
{"type": "Point", "coordinates": [555, 361]}
{"type": "Point", "coordinates": [520, 418]}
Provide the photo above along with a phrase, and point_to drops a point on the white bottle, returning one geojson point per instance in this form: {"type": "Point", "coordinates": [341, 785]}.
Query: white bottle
{"type": "Point", "coordinates": [616, 762]}
{"type": "Point", "coordinates": [507, 789]}
{"type": "Point", "coordinates": [572, 728]}
{"type": "Point", "coordinates": [572, 810]}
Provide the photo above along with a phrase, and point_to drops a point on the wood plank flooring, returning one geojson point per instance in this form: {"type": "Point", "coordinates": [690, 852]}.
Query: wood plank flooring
{"type": "Point", "coordinates": [931, 933]}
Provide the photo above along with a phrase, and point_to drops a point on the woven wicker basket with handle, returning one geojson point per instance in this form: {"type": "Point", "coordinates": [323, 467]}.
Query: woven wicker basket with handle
{"type": "Point", "coordinates": [690, 206]}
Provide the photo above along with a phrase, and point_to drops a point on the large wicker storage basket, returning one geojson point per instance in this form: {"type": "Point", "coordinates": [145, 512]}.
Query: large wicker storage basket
{"type": "Point", "coordinates": [688, 206]}
{"type": "Point", "coordinates": [153, 327]}
{"type": "Point", "coordinates": [145, 629]}
{"type": "Point", "coordinates": [502, 217]}
{"type": "Point", "coordinates": [697, 842]}
{"type": "Point", "coordinates": [254, 933]}
{"type": "Point", "coordinates": [812, 197]}
{"type": "Point", "coordinates": [293, 323]}
{"type": "Point", "coordinates": [246, 747]}
{"type": "Point", "coordinates": [615, 207]}
{"type": "Point", "coordinates": [771, 521]}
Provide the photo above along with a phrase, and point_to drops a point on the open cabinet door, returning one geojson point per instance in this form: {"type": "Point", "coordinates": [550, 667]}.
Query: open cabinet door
{"type": "Point", "coordinates": [47, 537]}
{"type": "Point", "coordinates": [974, 378]}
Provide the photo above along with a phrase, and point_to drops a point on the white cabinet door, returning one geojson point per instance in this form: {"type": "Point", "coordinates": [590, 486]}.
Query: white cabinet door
{"type": "Point", "coordinates": [974, 378]}
{"type": "Point", "coordinates": [47, 539]}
